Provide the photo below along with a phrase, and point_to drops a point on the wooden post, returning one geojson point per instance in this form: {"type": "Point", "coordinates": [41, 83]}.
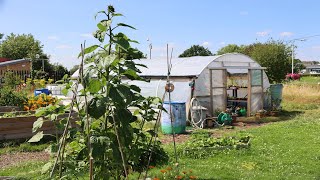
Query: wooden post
{"type": "Point", "coordinates": [249, 94]}
{"type": "Point", "coordinates": [224, 84]}
{"type": "Point", "coordinates": [262, 93]}
{"type": "Point", "coordinates": [211, 100]}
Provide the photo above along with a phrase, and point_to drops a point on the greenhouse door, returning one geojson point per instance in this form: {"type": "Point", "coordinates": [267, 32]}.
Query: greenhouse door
{"type": "Point", "coordinates": [255, 88]}
{"type": "Point", "coordinates": [218, 92]}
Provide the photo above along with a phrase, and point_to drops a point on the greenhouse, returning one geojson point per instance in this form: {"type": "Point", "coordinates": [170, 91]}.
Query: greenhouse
{"type": "Point", "coordinates": [217, 82]}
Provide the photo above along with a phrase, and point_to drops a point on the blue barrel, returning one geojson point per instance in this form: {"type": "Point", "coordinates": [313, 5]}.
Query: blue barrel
{"type": "Point", "coordinates": [276, 93]}
{"type": "Point", "coordinates": [39, 91]}
{"type": "Point", "coordinates": [179, 118]}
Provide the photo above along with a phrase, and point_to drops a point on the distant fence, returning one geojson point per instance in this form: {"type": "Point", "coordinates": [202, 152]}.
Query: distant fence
{"type": "Point", "coordinates": [21, 127]}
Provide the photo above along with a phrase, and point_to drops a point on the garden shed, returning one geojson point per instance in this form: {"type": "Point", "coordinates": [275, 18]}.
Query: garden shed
{"type": "Point", "coordinates": [217, 82]}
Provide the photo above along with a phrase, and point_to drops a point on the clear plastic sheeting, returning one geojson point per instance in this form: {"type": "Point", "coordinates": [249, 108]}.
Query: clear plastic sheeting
{"type": "Point", "coordinates": [156, 87]}
{"type": "Point", "coordinates": [184, 70]}
{"type": "Point", "coordinates": [256, 78]}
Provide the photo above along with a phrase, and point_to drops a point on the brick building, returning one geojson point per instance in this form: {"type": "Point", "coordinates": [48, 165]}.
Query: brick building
{"type": "Point", "coordinates": [20, 67]}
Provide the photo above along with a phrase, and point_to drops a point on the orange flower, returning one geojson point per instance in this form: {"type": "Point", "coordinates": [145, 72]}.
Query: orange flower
{"type": "Point", "coordinates": [156, 178]}
{"type": "Point", "coordinates": [184, 172]}
{"type": "Point", "coordinates": [163, 171]}
{"type": "Point", "coordinates": [151, 167]}
{"type": "Point", "coordinates": [179, 177]}
{"type": "Point", "coordinates": [169, 168]}
{"type": "Point", "coordinates": [192, 177]}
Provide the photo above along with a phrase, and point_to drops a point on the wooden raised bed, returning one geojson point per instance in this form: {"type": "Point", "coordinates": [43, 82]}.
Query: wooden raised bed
{"type": "Point", "coordinates": [9, 108]}
{"type": "Point", "coordinates": [21, 127]}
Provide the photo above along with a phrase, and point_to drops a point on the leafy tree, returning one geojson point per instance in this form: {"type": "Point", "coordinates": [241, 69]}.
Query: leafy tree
{"type": "Point", "coordinates": [230, 48]}
{"type": "Point", "coordinates": [74, 69]}
{"type": "Point", "coordinates": [1, 36]}
{"type": "Point", "coordinates": [196, 50]}
{"type": "Point", "coordinates": [275, 56]}
{"type": "Point", "coordinates": [20, 46]}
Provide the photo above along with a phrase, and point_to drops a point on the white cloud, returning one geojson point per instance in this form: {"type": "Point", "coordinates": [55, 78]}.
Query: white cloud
{"type": "Point", "coordinates": [87, 35]}
{"type": "Point", "coordinates": [206, 43]}
{"type": "Point", "coordinates": [286, 34]}
{"type": "Point", "coordinates": [263, 33]}
{"type": "Point", "coordinates": [244, 13]}
{"type": "Point", "coordinates": [63, 46]}
{"type": "Point", "coordinates": [53, 38]}
{"type": "Point", "coordinates": [222, 43]}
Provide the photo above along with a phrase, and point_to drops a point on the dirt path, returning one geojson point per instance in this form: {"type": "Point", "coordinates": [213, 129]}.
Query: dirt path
{"type": "Point", "coordinates": [11, 159]}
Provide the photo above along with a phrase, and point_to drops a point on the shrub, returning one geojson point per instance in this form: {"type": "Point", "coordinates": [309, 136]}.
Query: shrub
{"type": "Point", "coordinates": [8, 97]}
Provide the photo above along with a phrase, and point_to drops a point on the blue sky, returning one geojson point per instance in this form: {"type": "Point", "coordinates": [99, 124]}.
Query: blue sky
{"type": "Point", "coordinates": [62, 25]}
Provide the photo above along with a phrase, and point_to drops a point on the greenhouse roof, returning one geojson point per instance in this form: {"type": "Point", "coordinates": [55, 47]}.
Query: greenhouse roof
{"type": "Point", "coordinates": [190, 66]}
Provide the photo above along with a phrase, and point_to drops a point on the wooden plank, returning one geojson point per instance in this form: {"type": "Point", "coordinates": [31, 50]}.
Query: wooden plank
{"type": "Point", "coordinates": [21, 127]}
{"type": "Point", "coordinates": [211, 100]}
{"type": "Point", "coordinates": [224, 84]}
{"type": "Point", "coordinates": [262, 93]}
{"type": "Point", "coordinates": [249, 94]}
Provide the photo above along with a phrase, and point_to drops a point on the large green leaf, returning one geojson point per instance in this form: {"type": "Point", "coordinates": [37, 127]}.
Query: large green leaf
{"type": "Point", "coordinates": [97, 107]}
{"type": "Point", "coordinates": [124, 115]}
{"type": "Point", "coordinates": [89, 50]}
{"type": "Point", "coordinates": [94, 86]}
{"type": "Point", "coordinates": [101, 27]}
{"type": "Point", "coordinates": [37, 137]}
{"type": "Point", "coordinates": [135, 88]}
{"type": "Point", "coordinates": [126, 25]}
{"type": "Point", "coordinates": [37, 124]}
{"type": "Point", "coordinates": [117, 14]}
{"type": "Point", "coordinates": [116, 96]}
{"type": "Point", "coordinates": [123, 43]}
{"type": "Point", "coordinates": [131, 74]}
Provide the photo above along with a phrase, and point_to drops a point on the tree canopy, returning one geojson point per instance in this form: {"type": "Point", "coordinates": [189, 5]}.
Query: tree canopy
{"type": "Point", "coordinates": [196, 50]}
{"type": "Point", "coordinates": [274, 55]}
{"type": "Point", "coordinates": [231, 48]}
{"type": "Point", "coordinates": [26, 46]}
{"type": "Point", "coordinates": [20, 46]}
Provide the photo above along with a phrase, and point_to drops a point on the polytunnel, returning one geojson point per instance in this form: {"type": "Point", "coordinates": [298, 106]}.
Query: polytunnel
{"type": "Point", "coordinates": [217, 82]}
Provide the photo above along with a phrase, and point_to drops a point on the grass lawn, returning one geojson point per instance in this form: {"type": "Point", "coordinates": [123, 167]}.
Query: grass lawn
{"type": "Point", "coordinates": [288, 149]}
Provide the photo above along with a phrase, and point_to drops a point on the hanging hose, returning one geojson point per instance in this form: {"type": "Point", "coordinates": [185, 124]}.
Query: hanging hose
{"type": "Point", "coordinates": [196, 112]}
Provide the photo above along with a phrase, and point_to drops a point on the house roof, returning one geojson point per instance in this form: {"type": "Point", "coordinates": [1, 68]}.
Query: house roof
{"type": "Point", "coordinates": [11, 62]}
{"type": "Point", "coordinates": [313, 67]}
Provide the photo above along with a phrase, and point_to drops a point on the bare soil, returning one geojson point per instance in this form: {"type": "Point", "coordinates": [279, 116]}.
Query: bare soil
{"type": "Point", "coordinates": [12, 159]}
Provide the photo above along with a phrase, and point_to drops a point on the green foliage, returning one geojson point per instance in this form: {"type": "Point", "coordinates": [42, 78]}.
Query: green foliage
{"type": "Point", "coordinates": [11, 80]}
{"type": "Point", "coordinates": [8, 97]}
{"type": "Point", "coordinates": [231, 48]}
{"type": "Point", "coordinates": [48, 113]}
{"type": "Point", "coordinates": [74, 69]}
{"type": "Point", "coordinates": [196, 50]}
{"type": "Point", "coordinates": [202, 145]}
{"type": "Point", "coordinates": [20, 46]}
{"type": "Point", "coordinates": [274, 55]}
{"type": "Point", "coordinates": [110, 132]}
